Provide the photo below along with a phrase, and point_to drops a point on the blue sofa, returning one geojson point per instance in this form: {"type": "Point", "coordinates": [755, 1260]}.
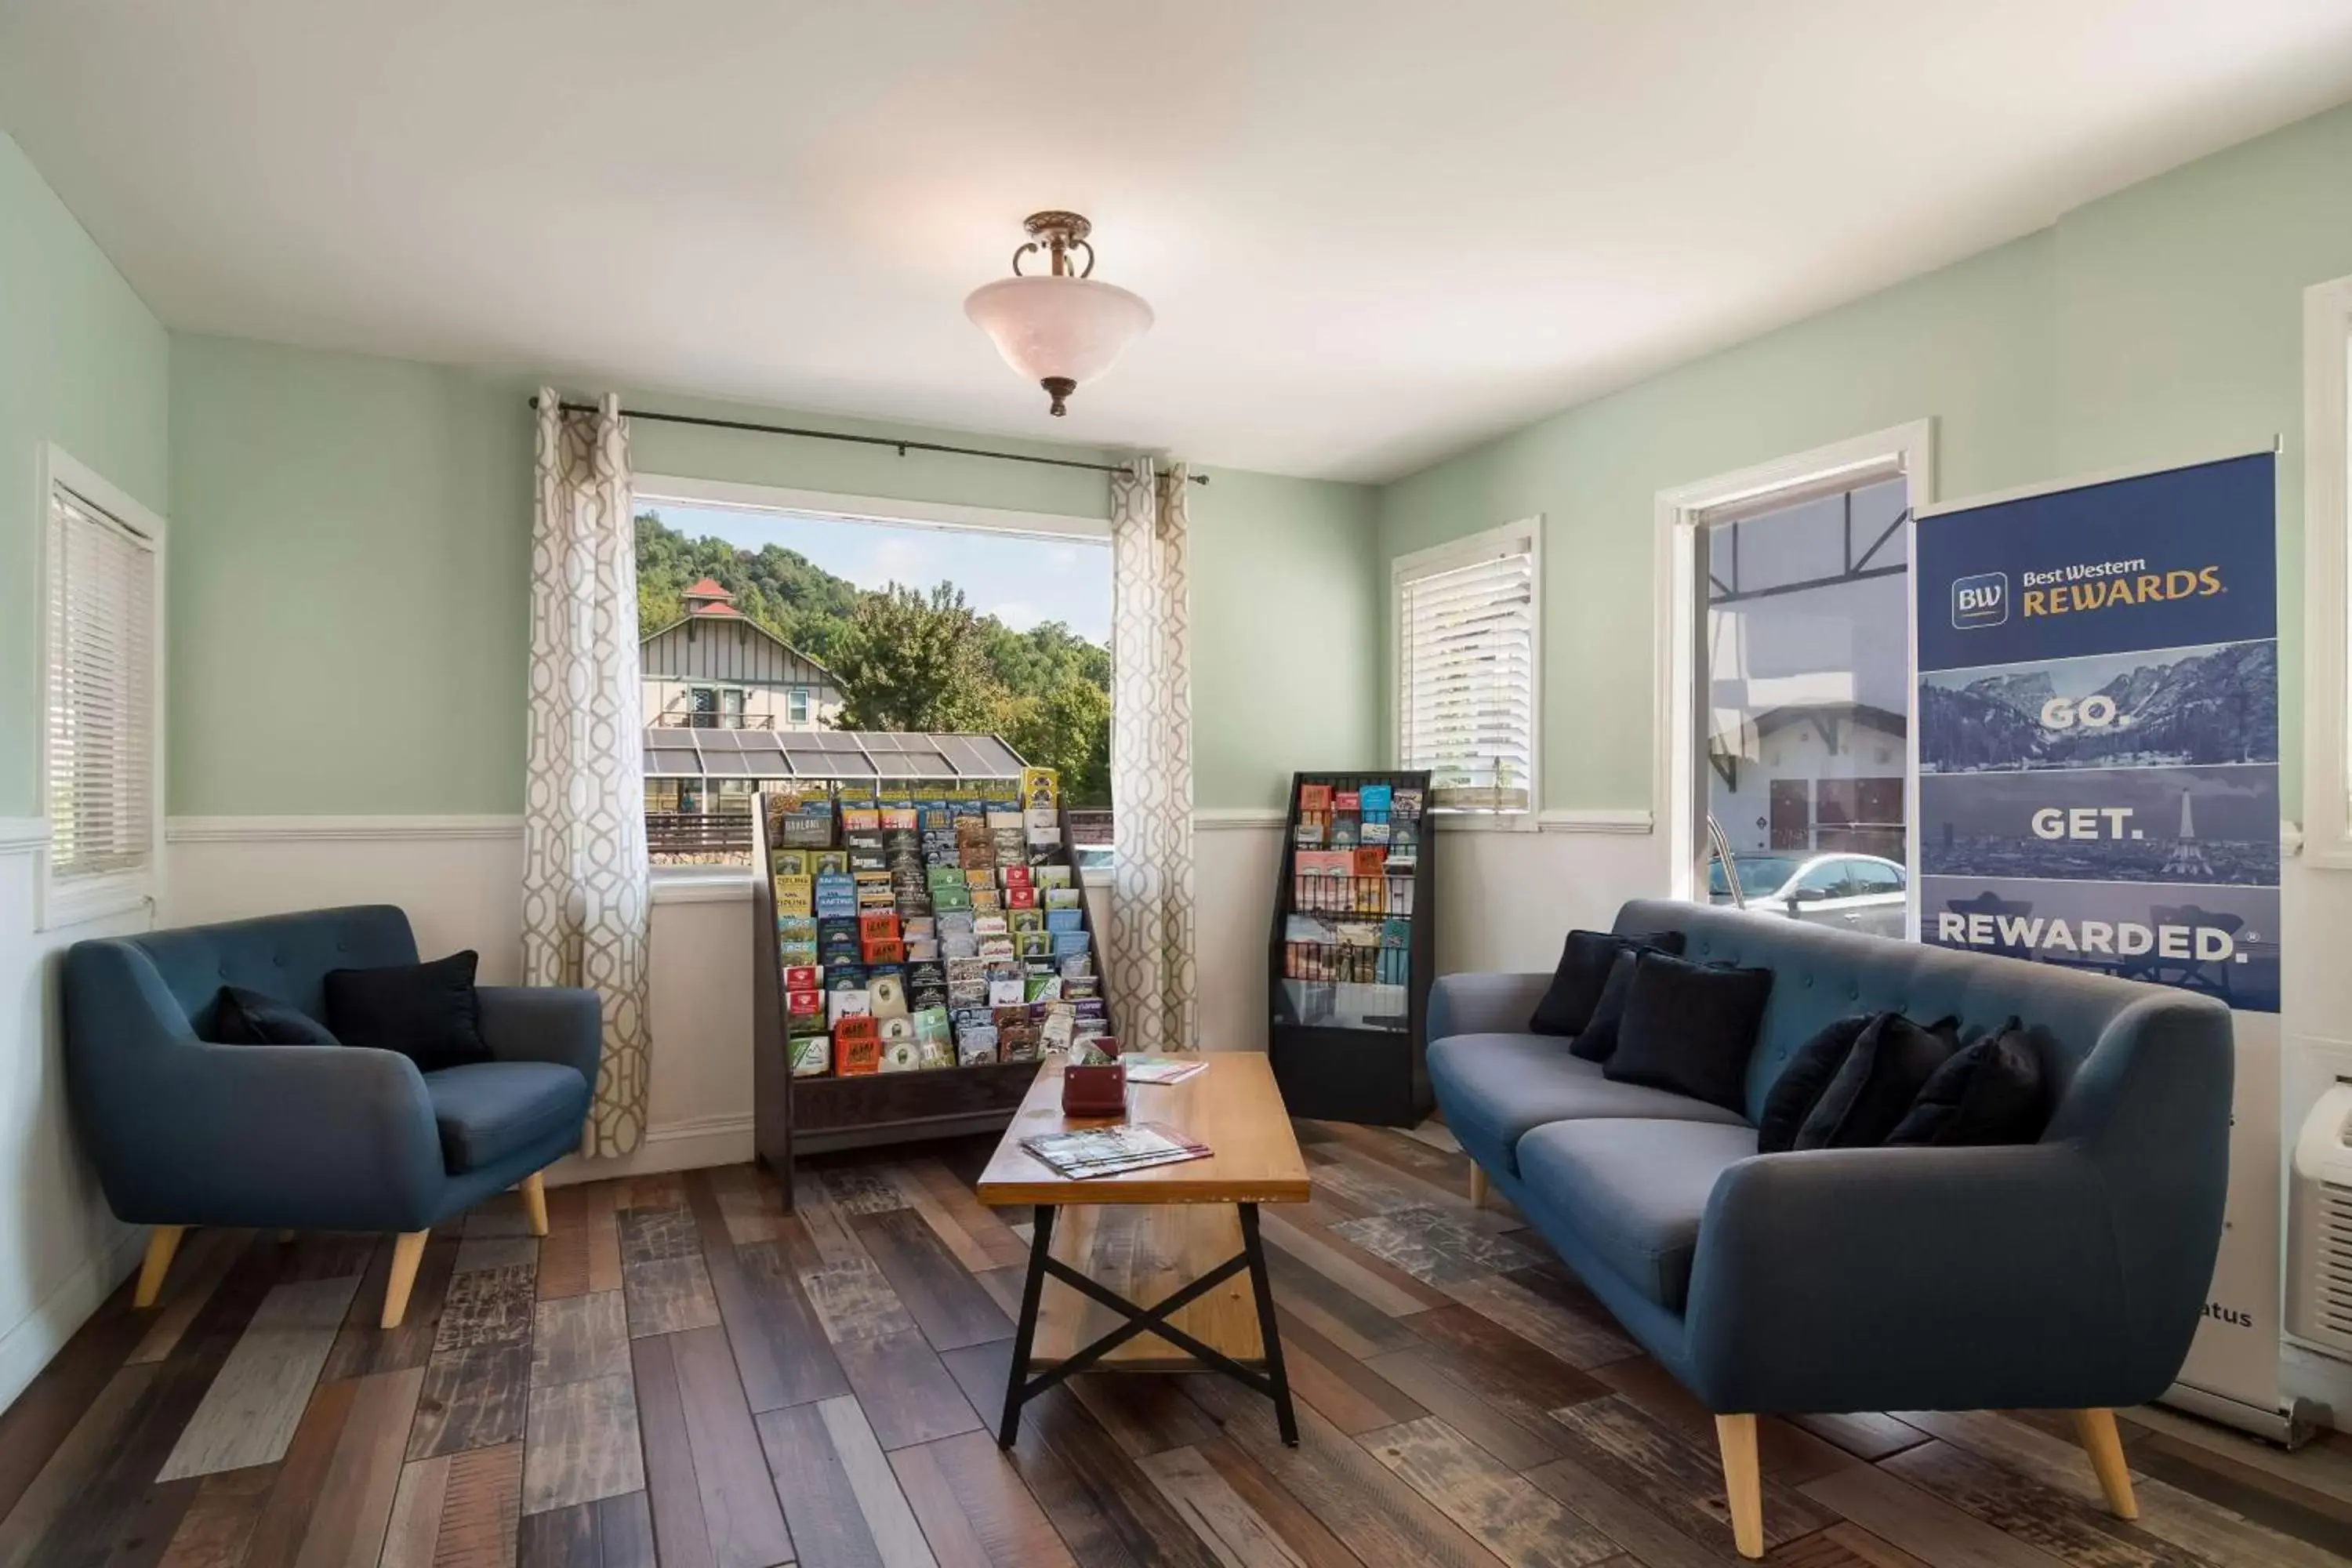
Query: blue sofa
{"type": "Point", "coordinates": [187, 1133]}
{"type": "Point", "coordinates": [2067, 1274]}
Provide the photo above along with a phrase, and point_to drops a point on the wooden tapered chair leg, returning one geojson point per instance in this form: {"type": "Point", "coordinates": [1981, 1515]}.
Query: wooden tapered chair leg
{"type": "Point", "coordinates": [2105, 1446]}
{"type": "Point", "coordinates": [1743, 1486]}
{"type": "Point", "coordinates": [407, 1252]}
{"type": "Point", "coordinates": [534, 1200]}
{"type": "Point", "coordinates": [1477, 1186]}
{"type": "Point", "coordinates": [163, 1241]}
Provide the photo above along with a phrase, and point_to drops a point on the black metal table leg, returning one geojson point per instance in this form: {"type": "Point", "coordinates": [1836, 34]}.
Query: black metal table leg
{"type": "Point", "coordinates": [1262, 1289]}
{"type": "Point", "coordinates": [1020, 1387]}
{"type": "Point", "coordinates": [1024, 1334]}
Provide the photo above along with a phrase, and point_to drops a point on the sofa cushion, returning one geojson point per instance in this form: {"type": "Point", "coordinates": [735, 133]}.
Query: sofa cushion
{"type": "Point", "coordinates": [1689, 1028]}
{"type": "Point", "coordinates": [243, 1018]}
{"type": "Point", "coordinates": [1496, 1087]}
{"type": "Point", "coordinates": [1584, 963]}
{"type": "Point", "coordinates": [1597, 1041]}
{"type": "Point", "coordinates": [1872, 1090]}
{"type": "Point", "coordinates": [1988, 1091]}
{"type": "Point", "coordinates": [1633, 1191]}
{"type": "Point", "coordinates": [427, 1012]}
{"type": "Point", "coordinates": [1799, 1088]}
{"type": "Point", "coordinates": [488, 1111]}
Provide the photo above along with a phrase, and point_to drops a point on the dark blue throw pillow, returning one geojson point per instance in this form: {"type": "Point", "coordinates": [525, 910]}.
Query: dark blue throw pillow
{"type": "Point", "coordinates": [1872, 1090]}
{"type": "Point", "coordinates": [1597, 1041]}
{"type": "Point", "coordinates": [427, 1012]}
{"type": "Point", "coordinates": [1988, 1091]}
{"type": "Point", "coordinates": [1568, 1004]}
{"type": "Point", "coordinates": [242, 1017]}
{"type": "Point", "coordinates": [1690, 1027]}
{"type": "Point", "coordinates": [1799, 1088]}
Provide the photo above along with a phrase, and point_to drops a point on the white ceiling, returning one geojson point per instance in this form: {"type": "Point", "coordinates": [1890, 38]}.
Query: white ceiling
{"type": "Point", "coordinates": [1374, 230]}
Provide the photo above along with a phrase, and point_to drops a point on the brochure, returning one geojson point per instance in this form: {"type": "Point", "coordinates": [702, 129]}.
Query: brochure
{"type": "Point", "coordinates": [1109, 1151]}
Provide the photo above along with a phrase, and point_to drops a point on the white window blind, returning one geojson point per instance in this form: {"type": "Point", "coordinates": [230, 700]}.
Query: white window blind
{"type": "Point", "coordinates": [1466, 652]}
{"type": "Point", "coordinates": [101, 695]}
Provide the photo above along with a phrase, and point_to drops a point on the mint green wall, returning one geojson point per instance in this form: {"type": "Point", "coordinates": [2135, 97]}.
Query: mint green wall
{"type": "Point", "coordinates": [351, 542]}
{"type": "Point", "coordinates": [2161, 323]}
{"type": "Point", "coordinates": [1287, 611]}
{"type": "Point", "coordinates": [82, 366]}
{"type": "Point", "coordinates": [351, 555]}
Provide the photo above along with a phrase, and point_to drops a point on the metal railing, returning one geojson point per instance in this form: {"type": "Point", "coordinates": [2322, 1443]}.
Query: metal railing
{"type": "Point", "coordinates": [698, 838]}
{"type": "Point", "coordinates": [680, 720]}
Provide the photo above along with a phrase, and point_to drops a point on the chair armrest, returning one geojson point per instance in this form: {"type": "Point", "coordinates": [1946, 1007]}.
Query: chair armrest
{"type": "Point", "coordinates": [302, 1137]}
{"type": "Point", "coordinates": [1484, 1004]}
{"type": "Point", "coordinates": [1924, 1279]}
{"type": "Point", "coordinates": [558, 1023]}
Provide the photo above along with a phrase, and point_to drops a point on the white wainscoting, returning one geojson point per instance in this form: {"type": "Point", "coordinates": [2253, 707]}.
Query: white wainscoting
{"type": "Point", "coordinates": [459, 879]}
{"type": "Point", "coordinates": [61, 1251]}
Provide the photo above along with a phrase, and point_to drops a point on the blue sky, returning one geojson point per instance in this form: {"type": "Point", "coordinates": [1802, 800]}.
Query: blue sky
{"type": "Point", "coordinates": [1019, 581]}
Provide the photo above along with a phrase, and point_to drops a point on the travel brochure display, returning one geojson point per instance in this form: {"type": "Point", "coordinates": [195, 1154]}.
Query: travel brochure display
{"type": "Point", "coordinates": [923, 926]}
{"type": "Point", "coordinates": [1352, 956]}
{"type": "Point", "coordinates": [2098, 734]}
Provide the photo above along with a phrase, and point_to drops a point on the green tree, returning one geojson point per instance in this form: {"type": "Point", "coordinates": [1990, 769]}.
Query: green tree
{"type": "Point", "coordinates": [909, 660]}
{"type": "Point", "coordinates": [1068, 730]}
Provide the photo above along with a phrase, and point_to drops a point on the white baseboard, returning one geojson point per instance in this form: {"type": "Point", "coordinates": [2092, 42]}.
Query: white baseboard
{"type": "Point", "coordinates": [25, 1349]}
{"type": "Point", "coordinates": [677, 1146]}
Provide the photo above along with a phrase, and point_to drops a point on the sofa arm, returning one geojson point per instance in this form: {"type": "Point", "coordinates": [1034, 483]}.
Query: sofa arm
{"type": "Point", "coordinates": [300, 1137]}
{"type": "Point", "coordinates": [1482, 1004]}
{"type": "Point", "coordinates": [1925, 1279]}
{"type": "Point", "coordinates": [558, 1023]}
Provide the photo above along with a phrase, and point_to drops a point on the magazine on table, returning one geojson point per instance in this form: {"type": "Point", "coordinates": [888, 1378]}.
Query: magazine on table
{"type": "Point", "coordinates": [1109, 1151]}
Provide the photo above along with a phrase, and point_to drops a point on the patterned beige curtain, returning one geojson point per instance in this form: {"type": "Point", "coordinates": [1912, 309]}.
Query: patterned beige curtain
{"type": "Point", "coordinates": [585, 901]}
{"type": "Point", "coordinates": [1149, 965]}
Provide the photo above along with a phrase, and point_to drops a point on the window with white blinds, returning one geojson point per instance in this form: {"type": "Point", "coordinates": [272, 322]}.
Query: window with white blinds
{"type": "Point", "coordinates": [1467, 638]}
{"type": "Point", "coordinates": [100, 741]}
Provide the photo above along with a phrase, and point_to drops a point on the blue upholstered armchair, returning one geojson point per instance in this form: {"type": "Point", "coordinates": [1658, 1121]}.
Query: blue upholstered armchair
{"type": "Point", "coordinates": [185, 1133]}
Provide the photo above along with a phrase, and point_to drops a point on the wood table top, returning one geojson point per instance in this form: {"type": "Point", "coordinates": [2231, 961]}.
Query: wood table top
{"type": "Point", "coordinates": [1232, 1105]}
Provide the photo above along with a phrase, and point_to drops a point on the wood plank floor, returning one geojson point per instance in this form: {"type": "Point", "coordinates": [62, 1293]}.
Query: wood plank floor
{"type": "Point", "coordinates": [684, 1374]}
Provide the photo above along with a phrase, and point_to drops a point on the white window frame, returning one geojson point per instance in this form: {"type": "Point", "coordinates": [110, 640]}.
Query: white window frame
{"type": "Point", "coordinates": [1905, 451]}
{"type": "Point", "coordinates": [2327, 597]}
{"type": "Point", "coordinates": [77, 900]}
{"type": "Point", "coordinates": [798, 706]}
{"type": "Point", "coordinates": [1456, 553]}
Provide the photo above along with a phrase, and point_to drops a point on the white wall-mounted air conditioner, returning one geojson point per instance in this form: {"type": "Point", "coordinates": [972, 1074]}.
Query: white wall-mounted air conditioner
{"type": "Point", "coordinates": [2319, 1227]}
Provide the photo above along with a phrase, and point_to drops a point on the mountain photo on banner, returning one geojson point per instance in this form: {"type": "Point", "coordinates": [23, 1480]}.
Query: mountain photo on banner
{"type": "Point", "coordinates": [2180, 707]}
{"type": "Point", "coordinates": [1012, 637]}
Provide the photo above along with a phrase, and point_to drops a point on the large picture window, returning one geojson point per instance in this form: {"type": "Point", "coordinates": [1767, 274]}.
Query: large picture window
{"type": "Point", "coordinates": [1466, 628]}
{"type": "Point", "coordinates": [759, 622]}
{"type": "Point", "coordinates": [102, 629]}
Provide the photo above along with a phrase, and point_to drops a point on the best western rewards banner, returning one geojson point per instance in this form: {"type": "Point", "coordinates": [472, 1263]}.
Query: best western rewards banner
{"type": "Point", "coordinates": [2098, 740]}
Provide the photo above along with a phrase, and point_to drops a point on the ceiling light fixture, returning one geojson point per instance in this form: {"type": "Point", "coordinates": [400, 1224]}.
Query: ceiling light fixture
{"type": "Point", "coordinates": [1061, 328]}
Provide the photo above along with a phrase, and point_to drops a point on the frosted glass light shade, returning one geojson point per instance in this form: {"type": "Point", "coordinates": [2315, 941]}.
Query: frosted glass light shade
{"type": "Point", "coordinates": [1066, 328]}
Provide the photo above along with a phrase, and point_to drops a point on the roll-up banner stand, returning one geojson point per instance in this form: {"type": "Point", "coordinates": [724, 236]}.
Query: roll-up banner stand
{"type": "Point", "coordinates": [2097, 742]}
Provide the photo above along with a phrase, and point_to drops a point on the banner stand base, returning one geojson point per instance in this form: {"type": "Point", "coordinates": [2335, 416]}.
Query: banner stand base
{"type": "Point", "coordinates": [2290, 1427]}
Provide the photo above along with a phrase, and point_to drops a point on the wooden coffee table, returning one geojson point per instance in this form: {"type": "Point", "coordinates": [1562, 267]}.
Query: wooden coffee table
{"type": "Point", "coordinates": [1180, 1235]}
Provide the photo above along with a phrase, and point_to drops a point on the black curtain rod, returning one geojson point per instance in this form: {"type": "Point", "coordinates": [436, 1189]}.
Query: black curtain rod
{"type": "Point", "coordinates": [903, 446]}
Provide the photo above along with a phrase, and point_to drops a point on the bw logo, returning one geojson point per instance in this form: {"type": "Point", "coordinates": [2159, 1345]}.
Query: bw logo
{"type": "Point", "coordinates": [1980, 601]}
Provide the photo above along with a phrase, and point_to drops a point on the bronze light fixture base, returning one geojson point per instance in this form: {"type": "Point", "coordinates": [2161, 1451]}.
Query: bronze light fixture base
{"type": "Point", "coordinates": [1058, 388]}
{"type": "Point", "coordinates": [1057, 234]}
